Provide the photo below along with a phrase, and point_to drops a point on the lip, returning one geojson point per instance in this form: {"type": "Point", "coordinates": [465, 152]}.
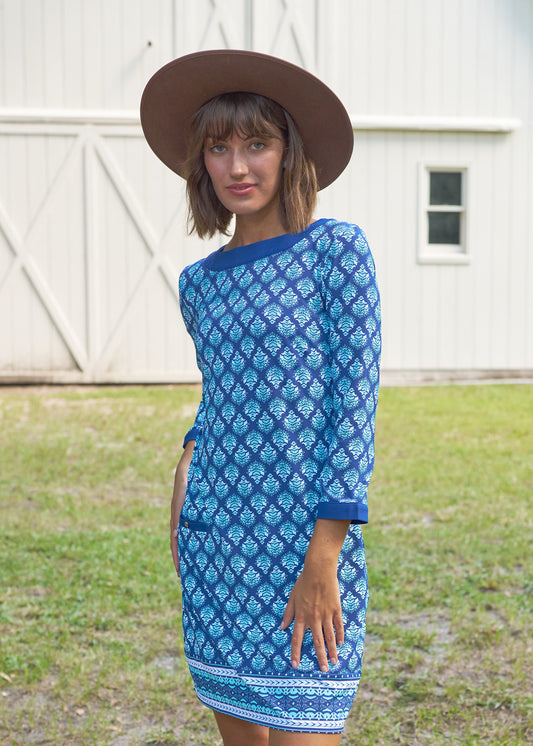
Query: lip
{"type": "Point", "coordinates": [241, 190]}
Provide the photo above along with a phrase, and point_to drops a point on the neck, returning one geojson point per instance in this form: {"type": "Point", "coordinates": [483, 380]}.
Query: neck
{"type": "Point", "coordinates": [253, 228]}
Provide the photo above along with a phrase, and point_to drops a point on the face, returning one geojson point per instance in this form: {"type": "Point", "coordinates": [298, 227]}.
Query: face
{"type": "Point", "coordinates": [245, 172]}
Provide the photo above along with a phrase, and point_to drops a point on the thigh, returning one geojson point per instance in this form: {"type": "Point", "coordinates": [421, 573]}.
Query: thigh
{"type": "Point", "coordinates": [286, 738]}
{"type": "Point", "coordinates": [237, 732]}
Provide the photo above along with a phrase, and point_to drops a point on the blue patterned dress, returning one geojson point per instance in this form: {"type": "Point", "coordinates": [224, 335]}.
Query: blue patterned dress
{"type": "Point", "coordinates": [287, 334]}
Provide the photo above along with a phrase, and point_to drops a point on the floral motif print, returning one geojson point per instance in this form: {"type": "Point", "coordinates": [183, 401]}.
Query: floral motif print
{"type": "Point", "coordinates": [287, 334]}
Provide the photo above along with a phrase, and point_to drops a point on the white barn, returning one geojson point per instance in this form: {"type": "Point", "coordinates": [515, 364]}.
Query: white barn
{"type": "Point", "coordinates": [92, 234]}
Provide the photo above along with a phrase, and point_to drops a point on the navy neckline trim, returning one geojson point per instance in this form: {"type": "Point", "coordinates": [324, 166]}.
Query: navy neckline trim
{"type": "Point", "coordinates": [221, 259]}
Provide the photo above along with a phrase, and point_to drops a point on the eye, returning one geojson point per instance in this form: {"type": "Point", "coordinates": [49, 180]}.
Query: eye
{"type": "Point", "coordinates": [257, 145]}
{"type": "Point", "coordinates": [217, 148]}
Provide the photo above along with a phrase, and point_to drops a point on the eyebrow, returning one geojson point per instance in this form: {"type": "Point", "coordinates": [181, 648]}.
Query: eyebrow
{"type": "Point", "coordinates": [245, 139]}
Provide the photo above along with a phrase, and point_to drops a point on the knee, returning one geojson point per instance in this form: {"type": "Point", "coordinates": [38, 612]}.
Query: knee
{"type": "Point", "coordinates": [250, 740]}
{"type": "Point", "coordinates": [252, 737]}
{"type": "Point", "coordinates": [236, 732]}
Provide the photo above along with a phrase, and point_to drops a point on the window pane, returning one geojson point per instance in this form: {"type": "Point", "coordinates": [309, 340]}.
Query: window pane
{"type": "Point", "coordinates": [445, 188]}
{"type": "Point", "coordinates": [444, 227]}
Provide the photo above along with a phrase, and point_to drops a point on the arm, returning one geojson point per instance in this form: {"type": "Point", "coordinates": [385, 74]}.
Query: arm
{"type": "Point", "coordinates": [351, 303]}
{"type": "Point", "coordinates": [180, 480]}
{"type": "Point", "coordinates": [178, 497]}
{"type": "Point", "coordinates": [314, 602]}
{"type": "Point", "coordinates": [187, 295]}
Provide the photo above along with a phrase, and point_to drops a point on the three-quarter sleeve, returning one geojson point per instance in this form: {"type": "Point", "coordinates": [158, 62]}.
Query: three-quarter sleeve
{"type": "Point", "coordinates": [352, 315]}
{"type": "Point", "coordinates": [187, 297]}
{"type": "Point", "coordinates": [194, 431]}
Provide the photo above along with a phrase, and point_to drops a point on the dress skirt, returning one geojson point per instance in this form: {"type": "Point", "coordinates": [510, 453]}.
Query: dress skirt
{"type": "Point", "coordinates": [236, 579]}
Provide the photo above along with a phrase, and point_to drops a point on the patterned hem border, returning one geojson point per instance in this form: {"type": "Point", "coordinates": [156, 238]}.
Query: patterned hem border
{"type": "Point", "coordinates": [305, 723]}
{"type": "Point", "coordinates": [292, 724]}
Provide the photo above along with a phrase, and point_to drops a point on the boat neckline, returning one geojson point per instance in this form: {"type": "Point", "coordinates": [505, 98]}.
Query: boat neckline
{"type": "Point", "coordinates": [221, 259]}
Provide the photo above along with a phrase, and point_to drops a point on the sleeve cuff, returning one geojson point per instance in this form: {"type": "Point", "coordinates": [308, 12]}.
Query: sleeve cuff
{"type": "Point", "coordinates": [191, 435]}
{"type": "Point", "coordinates": [353, 512]}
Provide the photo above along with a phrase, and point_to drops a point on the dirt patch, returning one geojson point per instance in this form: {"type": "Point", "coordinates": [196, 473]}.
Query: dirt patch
{"type": "Point", "coordinates": [72, 721]}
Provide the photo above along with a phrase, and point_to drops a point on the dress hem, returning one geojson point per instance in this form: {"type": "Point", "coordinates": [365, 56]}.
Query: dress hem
{"type": "Point", "coordinates": [245, 715]}
{"type": "Point", "coordinates": [289, 720]}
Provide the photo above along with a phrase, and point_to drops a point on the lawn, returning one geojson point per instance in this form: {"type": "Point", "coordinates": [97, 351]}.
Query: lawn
{"type": "Point", "coordinates": [91, 650]}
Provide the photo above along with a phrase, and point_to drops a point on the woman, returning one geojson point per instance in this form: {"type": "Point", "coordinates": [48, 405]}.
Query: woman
{"type": "Point", "coordinates": [271, 487]}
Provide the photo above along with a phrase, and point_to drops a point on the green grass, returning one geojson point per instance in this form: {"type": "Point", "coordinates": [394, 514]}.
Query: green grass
{"type": "Point", "coordinates": [90, 642]}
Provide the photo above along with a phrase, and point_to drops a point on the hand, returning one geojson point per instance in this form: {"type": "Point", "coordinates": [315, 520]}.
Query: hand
{"type": "Point", "coordinates": [178, 499]}
{"type": "Point", "coordinates": [314, 603]}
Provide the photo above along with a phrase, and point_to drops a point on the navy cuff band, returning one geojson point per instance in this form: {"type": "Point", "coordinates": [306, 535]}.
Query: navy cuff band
{"type": "Point", "coordinates": [354, 512]}
{"type": "Point", "coordinates": [191, 435]}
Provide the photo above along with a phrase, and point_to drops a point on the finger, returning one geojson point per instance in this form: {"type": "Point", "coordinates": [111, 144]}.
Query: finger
{"type": "Point", "coordinates": [320, 648]}
{"type": "Point", "coordinates": [296, 643]}
{"type": "Point", "coordinates": [329, 636]}
{"type": "Point", "coordinates": [339, 628]}
{"type": "Point", "coordinates": [288, 614]}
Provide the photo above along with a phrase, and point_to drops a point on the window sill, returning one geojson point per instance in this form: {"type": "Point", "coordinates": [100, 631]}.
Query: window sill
{"type": "Point", "coordinates": [460, 259]}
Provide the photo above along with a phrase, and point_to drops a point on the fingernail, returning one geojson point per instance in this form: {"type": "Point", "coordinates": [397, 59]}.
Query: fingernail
{"type": "Point", "coordinates": [334, 661]}
{"type": "Point", "coordinates": [294, 664]}
{"type": "Point", "coordinates": [324, 669]}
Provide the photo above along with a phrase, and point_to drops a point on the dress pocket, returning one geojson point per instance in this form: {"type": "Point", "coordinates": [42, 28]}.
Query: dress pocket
{"type": "Point", "coordinates": [192, 525]}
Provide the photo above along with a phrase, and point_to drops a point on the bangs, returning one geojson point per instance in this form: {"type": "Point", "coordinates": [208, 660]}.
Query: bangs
{"type": "Point", "coordinates": [247, 114]}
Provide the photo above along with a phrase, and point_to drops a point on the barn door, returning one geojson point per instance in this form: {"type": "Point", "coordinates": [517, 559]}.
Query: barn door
{"type": "Point", "coordinates": [92, 226]}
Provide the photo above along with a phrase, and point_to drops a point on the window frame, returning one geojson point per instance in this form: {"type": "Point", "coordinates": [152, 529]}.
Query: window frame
{"type": "Point", "coordinates": [437, 253]}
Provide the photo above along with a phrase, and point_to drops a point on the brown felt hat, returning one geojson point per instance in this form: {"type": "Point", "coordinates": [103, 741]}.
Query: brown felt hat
{"type": "Point", "coordinates": [175, 93]}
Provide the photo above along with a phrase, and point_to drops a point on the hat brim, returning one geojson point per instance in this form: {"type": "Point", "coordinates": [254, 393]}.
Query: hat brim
{"type": "Point", "coordinates": [175, 93]}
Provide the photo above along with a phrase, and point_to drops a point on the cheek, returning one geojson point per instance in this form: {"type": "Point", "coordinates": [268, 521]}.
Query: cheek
{"type": "Point", "coordinates": [274, 169]}
{"type": "Point", "coordinates": [212, 171]}
{"type": "Point", "coordinates": [279, 175]}
{"type": "Point", "coordinates": [207, 164]}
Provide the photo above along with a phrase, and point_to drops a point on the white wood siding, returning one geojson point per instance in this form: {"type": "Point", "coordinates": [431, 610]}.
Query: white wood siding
{"type": "Point", "coordinates": [468, 63]}
{"type": "Point", "coordinates": [92, 233]}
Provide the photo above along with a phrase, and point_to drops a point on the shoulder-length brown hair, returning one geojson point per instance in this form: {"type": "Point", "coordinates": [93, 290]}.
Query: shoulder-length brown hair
{"type": "Point", "coordinates": [250, 115]}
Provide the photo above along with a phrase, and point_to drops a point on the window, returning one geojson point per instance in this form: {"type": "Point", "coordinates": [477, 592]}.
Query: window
{"type": "Point", "coordinates": [442, 234]}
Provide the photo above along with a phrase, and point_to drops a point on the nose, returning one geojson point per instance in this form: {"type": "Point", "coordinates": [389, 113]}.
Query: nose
{"type": "Point", "coordinates": [239, 165]}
